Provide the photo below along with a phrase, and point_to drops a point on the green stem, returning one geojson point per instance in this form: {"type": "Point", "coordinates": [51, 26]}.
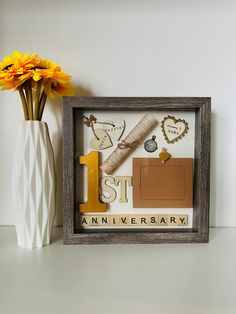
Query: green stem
{"type": "Point", "coordinates": [37, 100]}
{"type": "Point", "coordinates": [42, 105]}
{"type": "Point", "coordinates": [24, 103]}
{"type": "Point", "coordinates": [27, 92]}
{"type": "Point", "coordinates": [31, 98]}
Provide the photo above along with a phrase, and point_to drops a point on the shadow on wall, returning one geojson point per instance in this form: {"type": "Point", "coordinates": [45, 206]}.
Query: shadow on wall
{"type": "Point", "coordinates": [56, 137]}
{"type": "Point", "coordinates": [213, 175]}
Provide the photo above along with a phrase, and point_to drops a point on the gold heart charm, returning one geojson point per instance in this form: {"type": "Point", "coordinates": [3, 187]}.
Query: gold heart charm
{"type": "Point", "coordinates": [115, 128]}
{"type": "Point", "coordinates": [173, 129]}
{"type": "Point", "coordinates": [164, 155]}
{"type": "Point", "coordinates": [102, 141]}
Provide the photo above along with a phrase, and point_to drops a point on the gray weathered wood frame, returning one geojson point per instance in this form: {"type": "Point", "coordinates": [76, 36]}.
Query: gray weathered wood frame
{"type": "Point", "coordinates": [201, 189]}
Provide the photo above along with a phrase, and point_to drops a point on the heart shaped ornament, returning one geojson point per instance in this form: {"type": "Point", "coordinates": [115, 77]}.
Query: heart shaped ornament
{"type": "Point", "coordinates": [116, 130]}
{"type": "Point", "coordinates": [102, 142]}
{"type": "Point", "coordinates": [173, 129]}
{"type": "Point", "coordinates": [164, 155]}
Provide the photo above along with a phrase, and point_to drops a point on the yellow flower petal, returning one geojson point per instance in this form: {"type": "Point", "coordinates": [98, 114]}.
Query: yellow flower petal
{"type": "Point", "coordinates": [36, 76]}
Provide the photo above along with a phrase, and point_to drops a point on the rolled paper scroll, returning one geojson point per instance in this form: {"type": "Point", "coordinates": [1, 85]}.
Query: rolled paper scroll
{"type": "Point", "coordinates": [129, 144]}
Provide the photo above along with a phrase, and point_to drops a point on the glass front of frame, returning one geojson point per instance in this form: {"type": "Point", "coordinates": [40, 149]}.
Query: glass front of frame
{"type": "Point", "coordinates": [133, 170]}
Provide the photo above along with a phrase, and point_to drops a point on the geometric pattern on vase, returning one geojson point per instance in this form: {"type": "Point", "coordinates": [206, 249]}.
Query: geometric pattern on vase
{"type": "Point", "coordinates": [33, 183]}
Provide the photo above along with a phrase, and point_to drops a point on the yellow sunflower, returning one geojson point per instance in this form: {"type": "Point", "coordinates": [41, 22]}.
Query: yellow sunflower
{"type": "Point", "coordinates": [56, 82]}
{"type": "Point", "coordinates": [14, 70]}
{"type": "Point", "coordinates": [56, 88]}
{"type": "Point", "coordinates": [42, 69]}
{"type": "Point", "coordinates": [35, 79]}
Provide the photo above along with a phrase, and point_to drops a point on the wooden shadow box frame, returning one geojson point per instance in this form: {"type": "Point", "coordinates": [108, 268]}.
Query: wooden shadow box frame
{"type": "Point", "coordinates": [201, 180]}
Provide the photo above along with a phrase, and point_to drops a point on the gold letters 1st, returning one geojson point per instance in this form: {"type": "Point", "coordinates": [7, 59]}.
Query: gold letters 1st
{"type": "Point", "coordinates": [108, 186]}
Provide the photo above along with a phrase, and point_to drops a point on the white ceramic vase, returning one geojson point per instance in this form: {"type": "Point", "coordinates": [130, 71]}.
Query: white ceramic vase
{"type": "Point", "coordinates": [33, 185]}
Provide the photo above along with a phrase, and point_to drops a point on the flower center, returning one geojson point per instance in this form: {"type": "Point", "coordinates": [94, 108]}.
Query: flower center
{"type": "Point", "coordinates": [38, 67]}
{"type": "Point", "coordinates": [7, 67]}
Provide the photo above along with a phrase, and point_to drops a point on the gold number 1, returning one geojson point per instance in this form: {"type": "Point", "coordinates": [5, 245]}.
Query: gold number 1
{"type": "Point", "coordinates": [93, 203]}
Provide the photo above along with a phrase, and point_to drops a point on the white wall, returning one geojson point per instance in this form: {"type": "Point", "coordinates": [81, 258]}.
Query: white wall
{"type": "Point", "coordinates": [130, 48]}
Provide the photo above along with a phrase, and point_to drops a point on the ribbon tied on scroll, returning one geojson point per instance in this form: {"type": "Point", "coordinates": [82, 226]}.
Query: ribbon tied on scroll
{"type": "Point", "coordinates": [123, 144]}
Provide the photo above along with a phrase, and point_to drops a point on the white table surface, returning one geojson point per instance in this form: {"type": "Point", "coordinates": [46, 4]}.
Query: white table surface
{"type": "Point", "coordinates": [184, 278]}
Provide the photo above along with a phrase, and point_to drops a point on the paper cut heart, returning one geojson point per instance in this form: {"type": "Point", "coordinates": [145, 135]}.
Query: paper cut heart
{"type": "Point", "coordinates": [115, 131]}
{"type": "Point", "coordinates": [173, 129]}
{"type": "Point", "coordinates": [103, 140]}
